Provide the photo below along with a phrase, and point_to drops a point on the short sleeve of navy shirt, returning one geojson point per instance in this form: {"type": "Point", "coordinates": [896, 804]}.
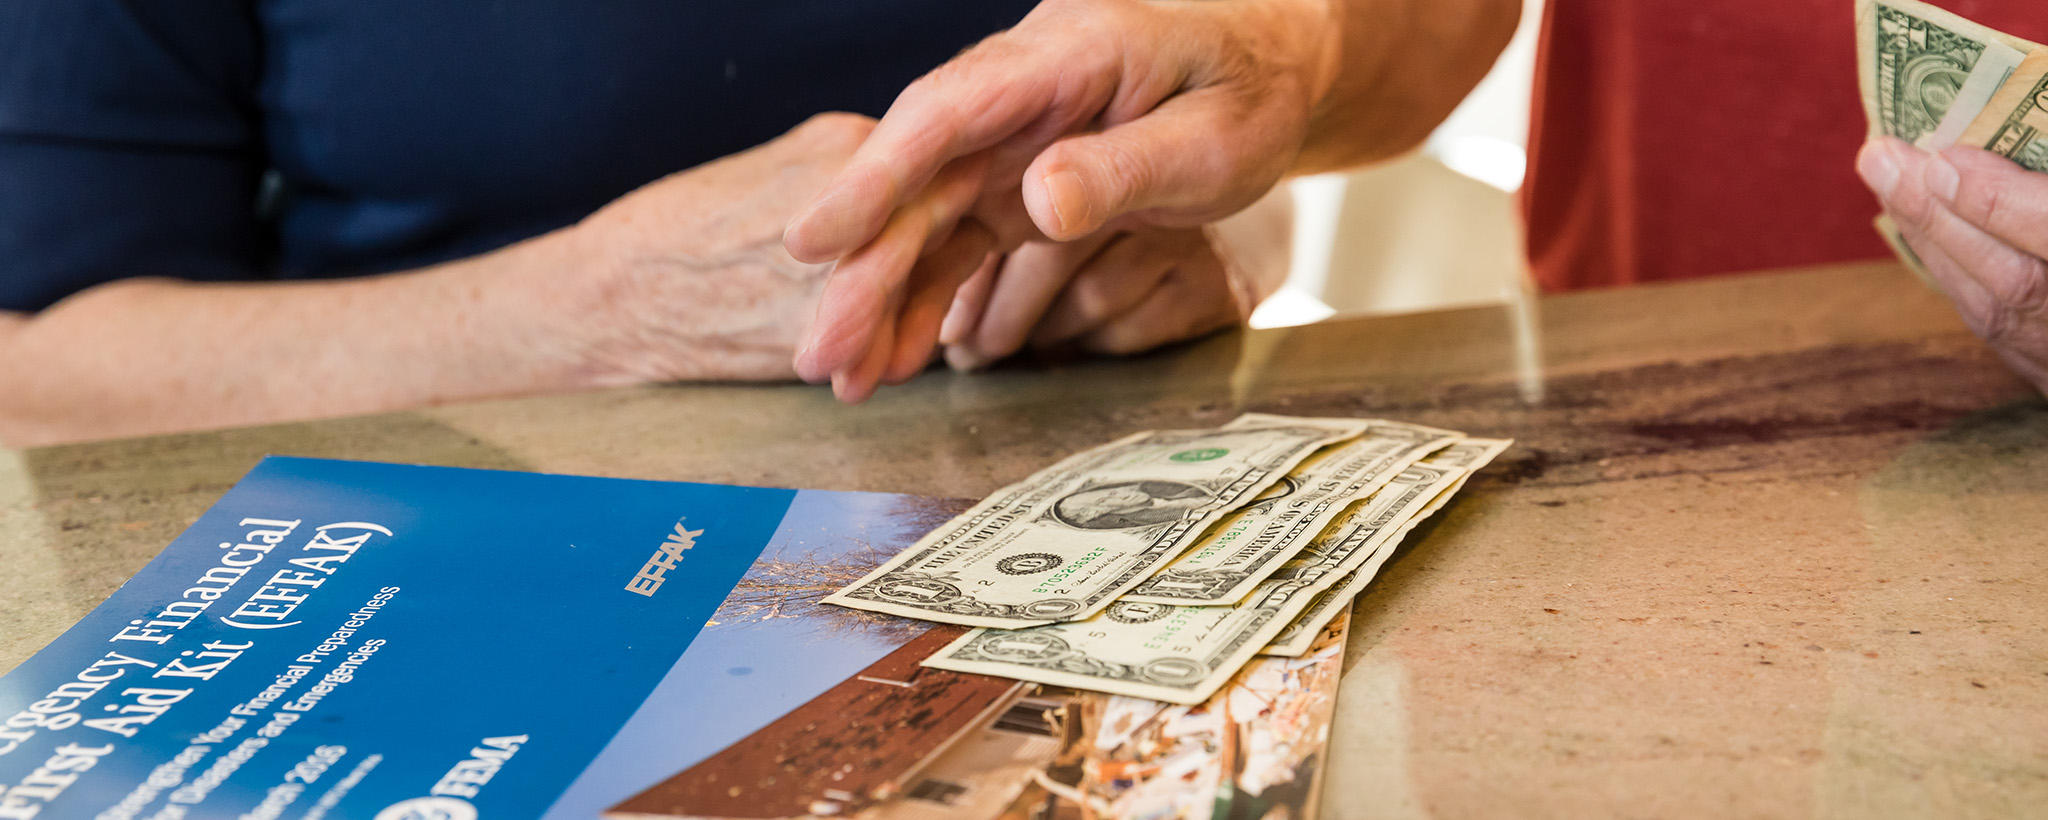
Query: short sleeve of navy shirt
{"type": "Point", "coordinates": [239, 140]}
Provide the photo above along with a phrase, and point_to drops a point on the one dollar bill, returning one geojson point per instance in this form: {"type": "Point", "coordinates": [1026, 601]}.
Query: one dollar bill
{"type": "Point", "coordinates": [2014, 124]}
{"type": "Point", "coordinates": [1935, 79]}
{"type": "Point", "coordinates": [1252, 543]}
{"type": "Point", "coordinates": [1064, 543]}
{"type": "Point", "coordinates": [1466, 457]}
{"type": "Point", "coordinates": [1918, 64]}
{"type": "Point", "coordinates": [1183, 654]}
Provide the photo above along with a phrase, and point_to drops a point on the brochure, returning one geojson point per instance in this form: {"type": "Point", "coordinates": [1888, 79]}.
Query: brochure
{"type": "Point", "coordinates": [355, 640]}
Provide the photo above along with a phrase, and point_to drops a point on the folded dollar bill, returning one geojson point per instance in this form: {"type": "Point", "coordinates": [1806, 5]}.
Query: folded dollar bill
{"type": "Point", "coordinates": [1935, 79]}
{"type": "Point", "coordinates": [1064, 543]}
{"type": "Point", "coordinates": [2012, 123]}
{"type": "Point", "coordinates": [1926, 73]}
{"type": "Point", "coordinates": [1466, 457]}
{"type": "Point", "coordinates": [1255, 541]}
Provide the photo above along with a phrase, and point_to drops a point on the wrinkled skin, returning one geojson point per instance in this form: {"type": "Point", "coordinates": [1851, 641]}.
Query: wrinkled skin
{"type": "Point", "coordinates": [1980, 224]}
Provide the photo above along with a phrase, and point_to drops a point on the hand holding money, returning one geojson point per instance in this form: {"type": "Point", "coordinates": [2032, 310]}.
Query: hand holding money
{"type": "Point", "coordinates": [1963, 202]}
{"type": "Point", "coordinates": [1980, 226]}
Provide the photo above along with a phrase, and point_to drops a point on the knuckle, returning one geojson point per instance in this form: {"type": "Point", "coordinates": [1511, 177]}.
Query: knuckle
{"type": "Point", "coordinates": [2018, 303]}
{"type": "Point", "coordinates": [1980, 200]}
{"type": "Point", "coordinates": [1997, 325]}
{"type": "Point", "coordinates": [1127, 169]}
{"type": "Point", "coordinates": [963, 74]}
{"type": "Point", "coordinates": [2029, 291]}
{"type": "Point", "coordinates": [837, 128]}
{"type": "Point", "coordinates": [1091, 298]}
{"type": "Point", "coordinates": [1076, 10]}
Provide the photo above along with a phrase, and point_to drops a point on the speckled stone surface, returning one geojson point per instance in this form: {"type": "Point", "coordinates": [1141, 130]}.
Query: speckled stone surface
{"type": "Point", "coordinates": [1770, 546]}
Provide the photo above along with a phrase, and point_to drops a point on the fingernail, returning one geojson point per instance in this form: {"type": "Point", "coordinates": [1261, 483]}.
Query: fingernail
{"type": "Point", "coordinates": [1069, 200]}
{"type": "Point", "coordinates": [806, 362]}
{"type": "Point", "coordinates": [1879, 169]}
{"type": "Point", "coordinates": [1942, 178]}
{"type": "Point", "coordinates": [844, 389]}
{"type": "Point", "coordinates": [963, 360]}
{"type": "Point", "coordinates": [953, 330]}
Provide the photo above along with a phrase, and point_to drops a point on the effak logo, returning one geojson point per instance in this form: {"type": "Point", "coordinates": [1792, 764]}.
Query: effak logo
{"type": "Point", "coordinates": [653, 573]}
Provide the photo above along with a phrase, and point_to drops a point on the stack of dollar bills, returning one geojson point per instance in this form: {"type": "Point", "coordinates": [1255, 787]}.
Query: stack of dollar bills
{"type": "Point", "coordinates": [1934, 79]}
{"type": "Point", "coordinates": [1159, 564]}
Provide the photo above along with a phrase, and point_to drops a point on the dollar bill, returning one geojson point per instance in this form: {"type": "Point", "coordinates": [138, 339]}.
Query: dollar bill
{"type": "Point", "coordinates": [1252, 543]}
{"type": "Point", "coordinates": [1936, 79]}
{"type": "Point", "coordinates": [1466, 457]}
{"type": "Point", "coordinates": [2012, 124]}
{"type": "Point", "coordinates": [1064, 543]}
{"type": "Point", "coordinates": [1183, 654]}
{"type": "Point", "coordinates": [1917, 62]}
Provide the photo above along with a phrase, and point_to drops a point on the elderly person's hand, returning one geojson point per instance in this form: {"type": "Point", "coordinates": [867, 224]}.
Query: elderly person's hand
{"type": "Point", "coordinates": [694, 282]}
{"type": "Point", "coordinates": [1114, 114]}
{"type": "Point", "coordinates": [685, 278]}
{"type": "Point", "coordinates": [1980, 224]}
{"type": "Point", "coordinates": [1088, 110]}
{"type": "Point", "coordinates": [1122, 291]}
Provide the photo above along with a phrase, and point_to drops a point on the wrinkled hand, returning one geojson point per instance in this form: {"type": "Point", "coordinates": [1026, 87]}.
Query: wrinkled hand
{"type": "Point", "coordinates": [1090, 114]}
{"type": "Point", "coordinates": [1116, 292]}
{"type": "Point", "coordinates": [1980, 223]}
{"type": "Point", "coordinates": [694, 282]}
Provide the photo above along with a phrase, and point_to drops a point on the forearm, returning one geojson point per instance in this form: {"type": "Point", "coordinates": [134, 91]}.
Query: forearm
{"type": "Point", "coordinates": [145, 356]}
{"type": "Point", "coordinates": [1396, 69]}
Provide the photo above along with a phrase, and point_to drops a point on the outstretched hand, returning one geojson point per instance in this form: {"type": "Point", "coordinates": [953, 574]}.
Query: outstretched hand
{"type": "Point", "coordinates": [1089, 115]}
{"type": "Point", "coordinates": [1980, 224]}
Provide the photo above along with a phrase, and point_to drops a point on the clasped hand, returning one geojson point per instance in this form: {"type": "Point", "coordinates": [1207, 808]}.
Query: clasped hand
{"type": "Point", "coordinates": [686, 278]}
{"type": "Point", "coordinates": [1088, 116]}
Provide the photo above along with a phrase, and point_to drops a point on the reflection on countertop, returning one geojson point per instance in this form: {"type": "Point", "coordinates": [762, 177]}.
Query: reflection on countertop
{"type": "Point", "coordinates": [1766, 546]}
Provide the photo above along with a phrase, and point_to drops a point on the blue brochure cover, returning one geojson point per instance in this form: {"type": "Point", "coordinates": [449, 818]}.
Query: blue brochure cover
{"type": "Point", "coordinates": [357, 640]}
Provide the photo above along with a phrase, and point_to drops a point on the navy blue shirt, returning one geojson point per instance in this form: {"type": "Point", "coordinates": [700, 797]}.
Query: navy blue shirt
{"type": "Point", "coordinates": [150, 137]}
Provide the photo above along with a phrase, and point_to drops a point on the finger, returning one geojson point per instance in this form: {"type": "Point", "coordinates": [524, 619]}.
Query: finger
{"type": "Point", "coordinates": [969, 301]}
{"type": "Point", "coordinates": [2000, 288]}
{"type": "Point", "coordinates": [1115, 281]}
{"type": "Point", "coordinates": [857, 383]}
{"type": "Point", "coordinates": [1971, 265]}
{"type": "Point", "coordinates": [1185, 305]}
{"type": "Point", "coordinates": [1971, 300]}
{"type": "Point", "coordinates": [938, 277]}
{"type": "Point", "coordinates": [1897, 173]}
{"type": "Point", "coordinates": [993, 91]}
{"type": "Point", "coordinates": [866, 288]}
{"type": "Point", "coordinates": [1168, 165]}
{"type": "Point", "coordinates": [1030, 280]}
{"type": "Point", "coordinates": [1991, 192]}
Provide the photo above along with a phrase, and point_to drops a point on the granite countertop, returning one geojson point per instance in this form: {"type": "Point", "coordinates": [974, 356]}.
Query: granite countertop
{"type": "Point", "coordinates": [1773, 545]}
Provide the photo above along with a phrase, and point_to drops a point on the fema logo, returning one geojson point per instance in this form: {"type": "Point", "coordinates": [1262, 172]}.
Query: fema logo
{"type": "Point", "coordinates": [1135, 612]}
{"type": "Point", "coordinates": [1030, 563]}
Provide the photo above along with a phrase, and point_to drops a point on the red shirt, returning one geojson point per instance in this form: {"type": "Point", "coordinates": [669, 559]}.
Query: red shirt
{"type": "Point", "coordinates": [1672, 140]}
